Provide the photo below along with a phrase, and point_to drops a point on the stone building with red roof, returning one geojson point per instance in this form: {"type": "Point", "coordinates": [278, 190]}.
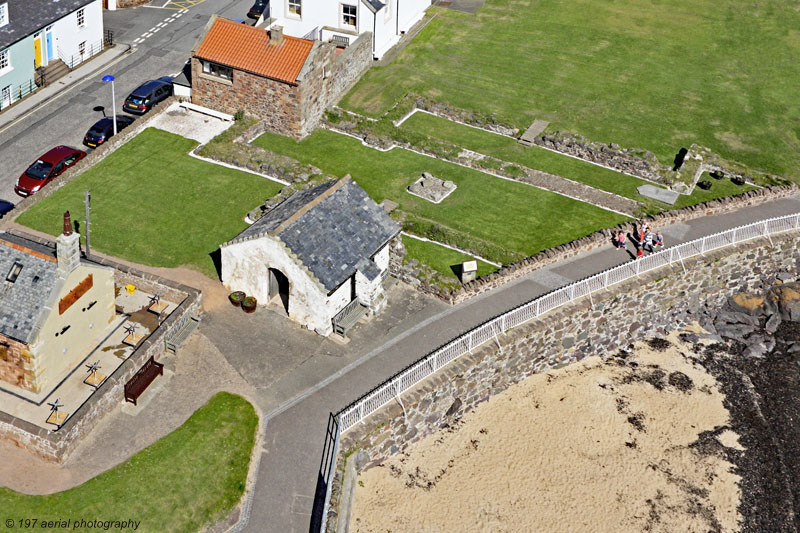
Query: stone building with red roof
{"type": "Point", "coordinates": [288, 82]}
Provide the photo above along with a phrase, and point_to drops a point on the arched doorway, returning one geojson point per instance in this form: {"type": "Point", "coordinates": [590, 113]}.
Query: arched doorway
{"type": "Point", "coordinates": [279, 287]}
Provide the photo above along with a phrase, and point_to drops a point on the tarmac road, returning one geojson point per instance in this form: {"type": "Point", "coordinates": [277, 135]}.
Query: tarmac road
{"type": "Point", "coordinates": [65, 118]}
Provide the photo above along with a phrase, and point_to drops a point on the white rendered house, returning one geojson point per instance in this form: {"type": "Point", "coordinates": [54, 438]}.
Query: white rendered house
{"type": "Point", "coordinates": [321, 256]}
{"type": "Point", "coordinates": [344, 20]}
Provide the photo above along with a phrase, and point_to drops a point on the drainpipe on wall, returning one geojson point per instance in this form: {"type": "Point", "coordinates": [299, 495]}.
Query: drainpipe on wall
{"type": "Point", "coordinates": [374, 26]}
{"type": "Point", "coordinates": [397, 18]}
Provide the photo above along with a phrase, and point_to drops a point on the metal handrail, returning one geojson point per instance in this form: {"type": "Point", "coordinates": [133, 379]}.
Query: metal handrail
{"type": "Point", "coordinates": [465, 343]}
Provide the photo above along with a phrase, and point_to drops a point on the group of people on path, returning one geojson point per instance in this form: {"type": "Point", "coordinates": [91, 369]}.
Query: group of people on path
{"type": "Point", "coordinates": [643, 239]}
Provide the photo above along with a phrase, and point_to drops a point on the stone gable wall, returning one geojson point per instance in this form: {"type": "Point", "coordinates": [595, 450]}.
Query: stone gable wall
{"type": "Point", "coordinates": [275, 102]}
{"type": "Point", "coordinates": [13, 364]}
{"type": "Point", "coordinates": [653, 305]}
{"type": "Point", "coordinates": [342, 71]}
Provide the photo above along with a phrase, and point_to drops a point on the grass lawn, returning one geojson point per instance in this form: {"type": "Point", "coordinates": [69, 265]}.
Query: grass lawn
{"type": "Point", "coordinates": [719, 188]}
{"type": "Point", "coordinates": [534, 157]}
{"type": "Point", "coordinates": [519, 218]}
{"type": "Point", "coordinates": [443, 260]}
{"type": "Point", "coordinates": [188, 479]}
{"type": "Point", "coordinates": [153, 204]}
{"type": "Point", "coordinates": [655, 75]}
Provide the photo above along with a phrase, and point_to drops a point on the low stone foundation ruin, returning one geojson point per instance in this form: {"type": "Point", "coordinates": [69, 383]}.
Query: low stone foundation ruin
{"type": "Point", "coordinates": [432, 188]}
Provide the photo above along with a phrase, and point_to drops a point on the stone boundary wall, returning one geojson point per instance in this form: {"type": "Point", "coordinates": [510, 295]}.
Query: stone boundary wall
{"type": "Point", "coordinates": [653, 305]}
{"type": "Point", "coordinates": [57, 445]}
{"type": "Point", "coordinates": [601, 238]}
{"type": "Point", "coordinates": [91, 159]}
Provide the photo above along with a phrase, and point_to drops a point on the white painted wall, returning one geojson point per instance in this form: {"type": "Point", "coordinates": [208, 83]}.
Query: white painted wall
{"type": "Point", "coordinates": [387, 24]}
{"type": "Point", "coordinates": [340, 297]}
{"type": "Point", "coordinates": [245, 267]}
{"type": "Point", "coordinates": [382, 258]}
{"type": "Point", "coordinates": [68, 35]}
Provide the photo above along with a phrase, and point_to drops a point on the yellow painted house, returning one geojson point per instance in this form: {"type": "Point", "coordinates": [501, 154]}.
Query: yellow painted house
{"type": "Point", "coordinates": [53, 308]}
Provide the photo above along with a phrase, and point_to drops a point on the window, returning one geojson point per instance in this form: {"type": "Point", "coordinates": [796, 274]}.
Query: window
{"type": "Point", "coordinates": [295, 7]}
{"type": "Point", "coordinates": [13, 274]}
{"type": "Point", "coordinates": [5, 60]}
{"type": "Point", "coordinates": [4, 14]}
{"type": "Point", "coordinates": [348, 15]}
{"type": "Point", "coordinates": [82, 48]}
{"type": "Point", "coordinates": [81, 18]}
{"type": "Point", "coordinates": [220, 71]}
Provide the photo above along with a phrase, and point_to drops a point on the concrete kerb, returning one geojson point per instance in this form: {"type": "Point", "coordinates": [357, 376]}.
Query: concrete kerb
{"type": "Point", "coordinates": [49, 93]}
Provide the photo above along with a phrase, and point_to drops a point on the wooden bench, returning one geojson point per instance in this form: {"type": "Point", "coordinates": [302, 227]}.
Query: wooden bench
{"type": "Point", "coordinates": [347, 317]}
{"type": "Point", "coordinates": [142, 379]}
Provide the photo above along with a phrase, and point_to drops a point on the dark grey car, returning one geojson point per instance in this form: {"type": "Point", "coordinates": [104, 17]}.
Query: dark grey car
{"type": "Point", "coordinates": [142, 99]}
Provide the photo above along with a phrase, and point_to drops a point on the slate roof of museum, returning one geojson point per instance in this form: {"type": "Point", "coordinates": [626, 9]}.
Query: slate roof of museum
{"type": "Point", "coordinates": [23, 301]}
{"type": "Point", "coordinates": [26, 17]}
{"type": "Point", "coordinates": [330, 228]}
{"type": "Point", "coordinates": [248, 48]}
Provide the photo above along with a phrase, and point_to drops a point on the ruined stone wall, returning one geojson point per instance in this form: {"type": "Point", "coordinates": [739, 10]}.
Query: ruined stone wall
{"type": "Point", "coordinates": [320, 90]}
{"type": "Point", "coordinates": [57, 445]}
{"type": "Point", "coordinates": [276, 103]}
{"type": "Point", "coordinates": [652, 305]}
{"type": "Point", "coordinates": [14, 366]}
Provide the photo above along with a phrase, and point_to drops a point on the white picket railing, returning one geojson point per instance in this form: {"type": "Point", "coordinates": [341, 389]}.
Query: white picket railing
{"type": "Point", "coordinates": [413, 374]}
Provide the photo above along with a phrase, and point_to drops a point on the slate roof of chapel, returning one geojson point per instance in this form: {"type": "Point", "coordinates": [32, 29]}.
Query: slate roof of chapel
{"type": "Point", "coordinates": [23, 302]}
{"type": "Point", "coordinates": [248, 48]}
{"type": "Point", "coordinates": [331, 228]}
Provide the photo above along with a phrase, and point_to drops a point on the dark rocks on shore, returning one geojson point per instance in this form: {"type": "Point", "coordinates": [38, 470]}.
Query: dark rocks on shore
{"type": "Point", "coordinates": [757, 364]}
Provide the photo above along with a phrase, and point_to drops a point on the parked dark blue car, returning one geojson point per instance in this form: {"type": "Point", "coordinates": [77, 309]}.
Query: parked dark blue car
{"type": "Point", "coordinates": [103, 130]}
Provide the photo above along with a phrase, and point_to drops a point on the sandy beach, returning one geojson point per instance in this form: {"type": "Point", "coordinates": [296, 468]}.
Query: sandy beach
{"type": "Point", "coordinates": [635, 442]}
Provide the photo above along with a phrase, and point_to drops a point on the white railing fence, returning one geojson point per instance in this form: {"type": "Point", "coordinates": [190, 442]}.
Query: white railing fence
{"type": "Point", "coordinates": [431, 363]}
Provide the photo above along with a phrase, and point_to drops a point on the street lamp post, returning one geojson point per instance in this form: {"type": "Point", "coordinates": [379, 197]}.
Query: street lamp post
{"type": "Point", "coordinates": [113, 99]}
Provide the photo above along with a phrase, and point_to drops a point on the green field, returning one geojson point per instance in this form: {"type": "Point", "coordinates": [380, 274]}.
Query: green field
{"type": "Point", "coordinates": [189, 479]}
{"type": "Point", "coordinates": [154, 204]}
{"type": "Point", "coordinates": [510, 150]}
{"type": "Point", "coordinates": [443, 260]}
{"type": "Point", "coordinates": [658, 75]}
{"type": "Point", "coordinates": [518, 218]}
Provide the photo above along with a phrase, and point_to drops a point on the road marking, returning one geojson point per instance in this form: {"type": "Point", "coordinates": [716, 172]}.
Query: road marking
{"type": "Point", "coordinates": [65, 91]}
{"type": "Point", "coordinates": [137, 41]}
{"type": "Point", "coordinates": [167, 2]}
{"type": "Point", "coordinates": [156, 30]}
{"type": "Point", "coordinates": [161, 24]}
{"type": "Point", "coordinates": [142, 36]}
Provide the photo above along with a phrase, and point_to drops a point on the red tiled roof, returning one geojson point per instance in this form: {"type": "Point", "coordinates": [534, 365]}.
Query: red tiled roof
{"type": "Point", "coordinates": [247, 48]}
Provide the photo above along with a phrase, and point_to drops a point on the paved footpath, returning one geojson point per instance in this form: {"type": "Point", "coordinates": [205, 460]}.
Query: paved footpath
{"type": "Point", "coordinates": [286, 482]}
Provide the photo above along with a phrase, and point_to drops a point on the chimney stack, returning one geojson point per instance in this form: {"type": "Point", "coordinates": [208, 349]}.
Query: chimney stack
{"type": "Point", "coordinates": [68, 248]}
{"type": "Point", "coordinates": [276, 35]}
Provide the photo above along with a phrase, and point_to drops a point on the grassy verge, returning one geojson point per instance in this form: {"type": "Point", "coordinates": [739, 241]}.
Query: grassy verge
{"type": "Point", "coordinates": [443, 260]}
{"type": "Point", "coordinates": [516, 217]}
{"type": "Point", "coordinates": [153, 204]}
{"type": "Point", "coordinates": [189, 479]}
{"type": "Point", "coordinates": [654, 75]}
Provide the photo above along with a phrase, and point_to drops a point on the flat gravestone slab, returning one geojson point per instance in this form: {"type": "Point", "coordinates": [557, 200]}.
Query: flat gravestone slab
{"type": "Point", "coordinates": [657, 193]}
{"type": "Point", "coordinates": [533, 131]}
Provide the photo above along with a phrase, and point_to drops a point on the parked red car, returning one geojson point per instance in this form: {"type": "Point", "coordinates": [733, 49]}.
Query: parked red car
{"type": "Point", "coordinates": [47, 167]}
